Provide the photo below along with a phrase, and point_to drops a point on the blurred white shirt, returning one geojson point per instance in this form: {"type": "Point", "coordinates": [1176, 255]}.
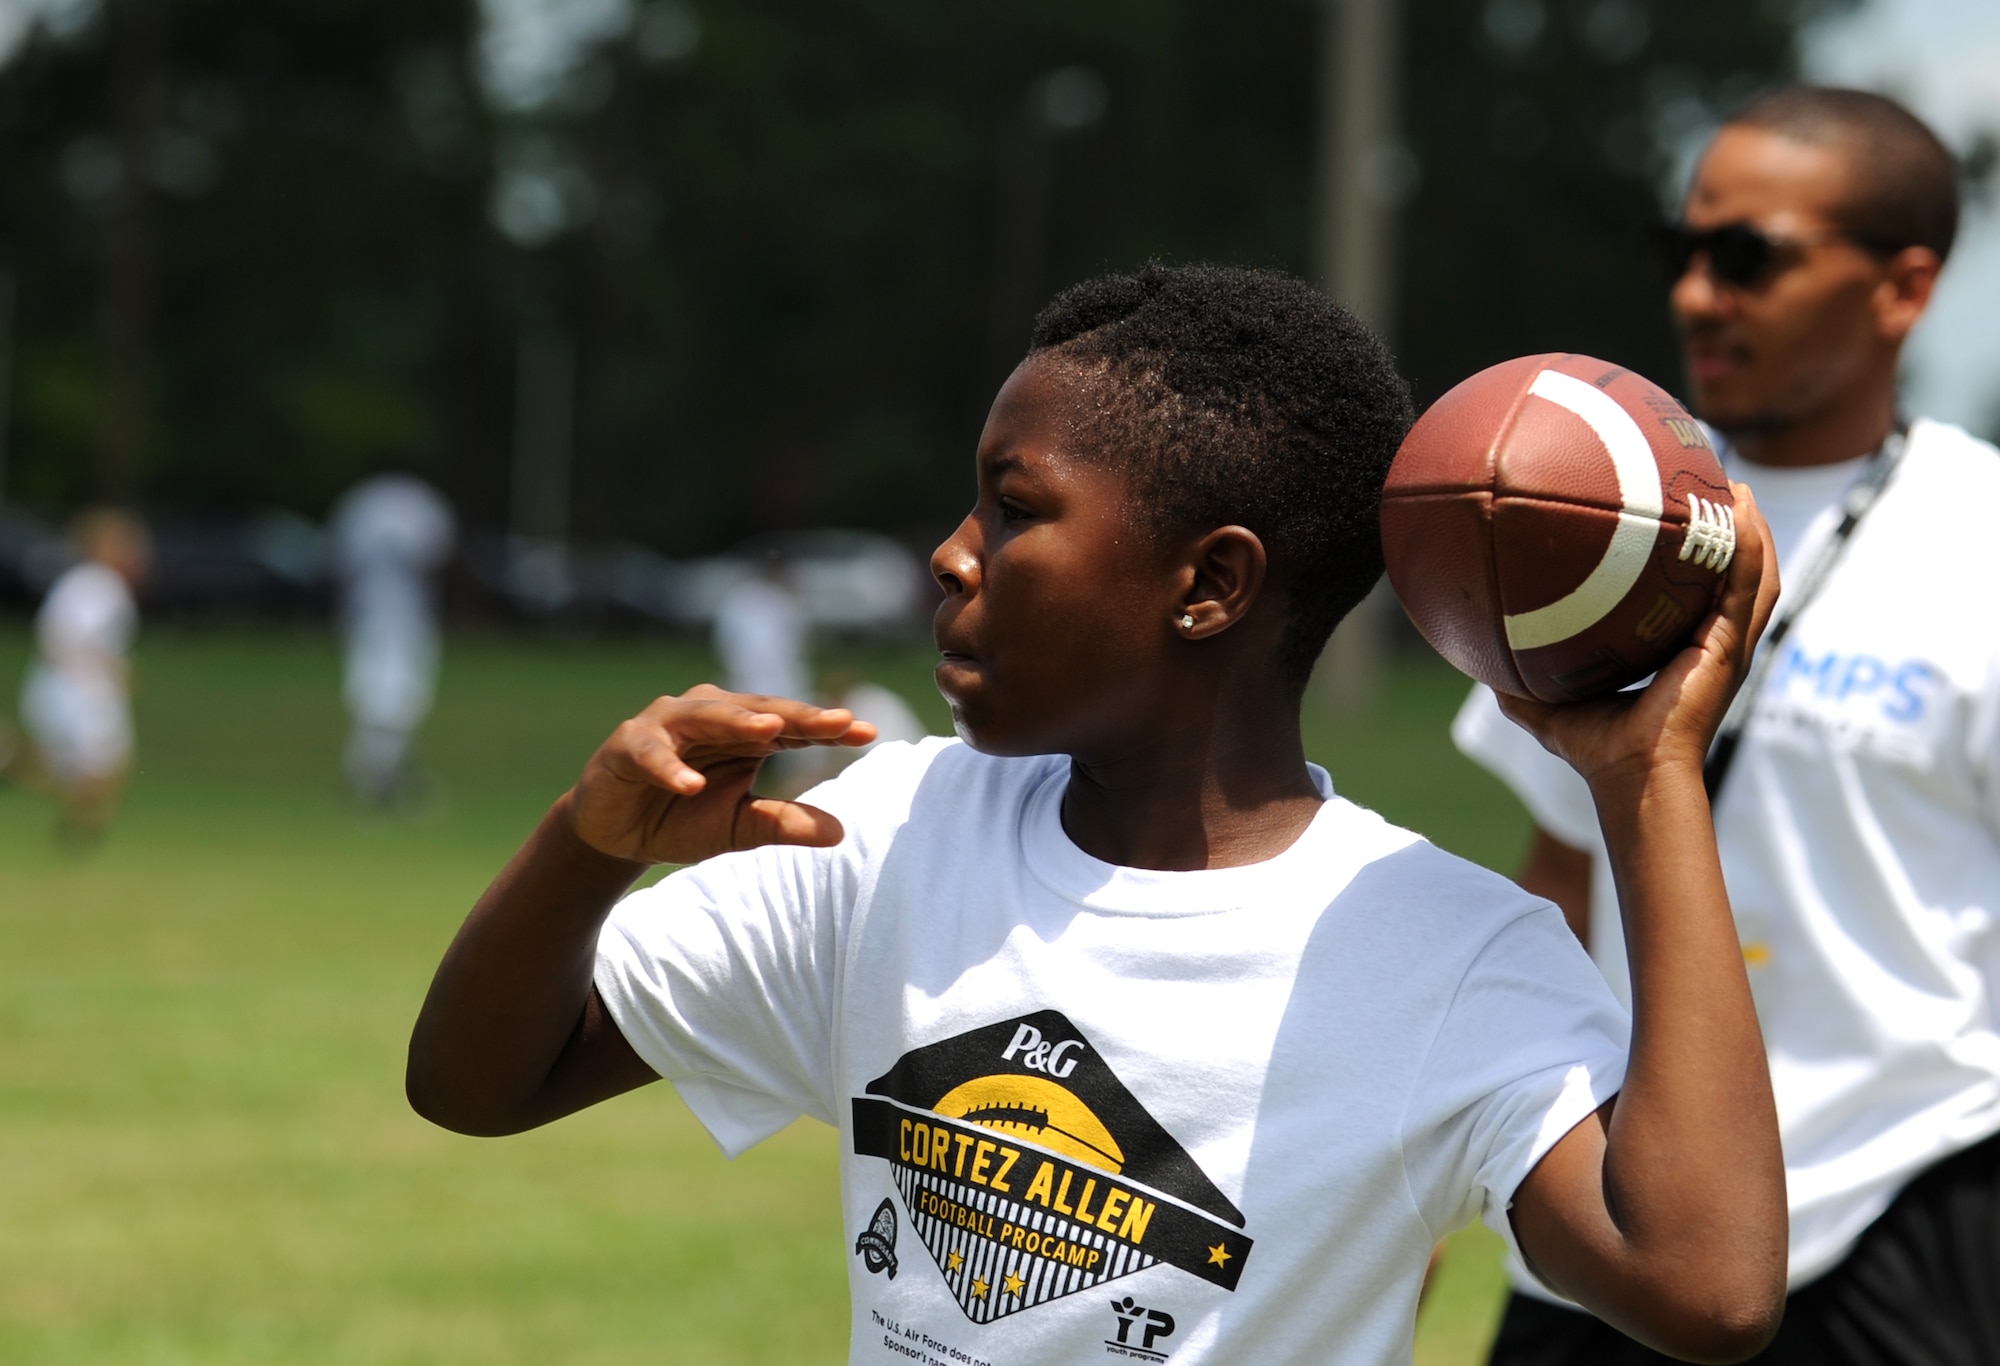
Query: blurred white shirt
{"type": "Point", "coordinates": [390, 535]}
{"type": "Point", "coordinates": [74, 700]}
{"type": "Point", "coordinates": [760, 637]}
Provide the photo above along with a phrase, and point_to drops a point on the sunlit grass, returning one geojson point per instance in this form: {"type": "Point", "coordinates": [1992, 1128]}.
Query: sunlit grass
{"type": "Point", "coordinates": [204, 1151]}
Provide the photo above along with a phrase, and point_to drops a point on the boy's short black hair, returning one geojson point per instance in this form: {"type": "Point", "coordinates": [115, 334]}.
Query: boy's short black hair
{"type": "Point", "coordinates": [1242, 397]}
{"type": "Point", "coordinates": [1904, 180]}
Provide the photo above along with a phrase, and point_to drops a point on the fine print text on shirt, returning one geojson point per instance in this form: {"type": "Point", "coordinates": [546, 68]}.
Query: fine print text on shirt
{"type": "Point", "coordinates": [922, 1346]}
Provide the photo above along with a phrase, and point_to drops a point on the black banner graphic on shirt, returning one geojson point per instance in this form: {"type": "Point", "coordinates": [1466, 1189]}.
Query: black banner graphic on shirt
{"type": "Point", "coordinates": [1029, 1172]}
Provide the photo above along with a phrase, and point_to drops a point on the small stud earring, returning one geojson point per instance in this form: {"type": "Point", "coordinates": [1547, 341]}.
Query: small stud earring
{"type": "Point", "coordinates": [1187, 621]}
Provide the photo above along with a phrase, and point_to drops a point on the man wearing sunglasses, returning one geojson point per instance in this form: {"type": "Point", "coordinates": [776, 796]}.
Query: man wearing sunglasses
{"type": "Point", "coordinates": [1857, 806]}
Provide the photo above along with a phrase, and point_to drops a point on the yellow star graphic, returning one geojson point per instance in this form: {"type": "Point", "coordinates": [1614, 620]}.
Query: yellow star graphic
{"type": "Point", "coordinates": [1014, 1284]}
{"type": "Point", "coordinates": [980, 1287]}
{"type": "Point", "coordinates": [1218, 1255]}
{"type": "Point", "coordinates": [957, 1260]}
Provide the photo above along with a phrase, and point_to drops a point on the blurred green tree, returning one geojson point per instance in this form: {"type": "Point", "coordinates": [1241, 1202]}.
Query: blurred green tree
{"type": "Point", "coordinates": [819, 233]}
{"type": "Point", "coordinates": [1546, 133]}
{"type": "Point", "coordinates": [243, 234]}
{"type": "Point", "coordinates": [759, 264]}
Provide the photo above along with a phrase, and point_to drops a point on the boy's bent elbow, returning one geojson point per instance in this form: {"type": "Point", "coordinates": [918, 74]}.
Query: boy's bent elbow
{"type": "Point", "coordinates": [1736, 1333]}
{"type": "Point", "coordinates": [486, 1089]}
{"type": "Point", "coordinates": [1726, 1324]}
{"type": "Point", "coordinates": [430, 1103]}
{"type": "Point", "coordinates": [434, 1098]}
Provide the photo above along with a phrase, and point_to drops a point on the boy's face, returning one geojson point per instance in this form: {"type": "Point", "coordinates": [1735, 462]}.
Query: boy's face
{"type": "Point", "coordinates": [1059, 607]}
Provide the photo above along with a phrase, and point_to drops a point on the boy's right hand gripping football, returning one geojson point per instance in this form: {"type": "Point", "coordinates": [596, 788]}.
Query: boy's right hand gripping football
{"type": "Point", "coordinates": [672, 785]}
{"type": "Point", "coordinates": [1665, 1215]}
{"type": "Point", "coordinates": [1673, 720]}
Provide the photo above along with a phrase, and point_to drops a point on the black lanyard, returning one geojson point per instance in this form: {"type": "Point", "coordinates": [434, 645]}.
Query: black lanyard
{"type": "Point", "coordinates": [1860, 496]}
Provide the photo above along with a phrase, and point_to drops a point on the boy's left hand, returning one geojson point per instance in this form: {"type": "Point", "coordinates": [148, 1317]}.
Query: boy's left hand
{"type": "Point", "coordinates": [1673, 719]}
{"type": "Point", "coordinates": [673, 784]}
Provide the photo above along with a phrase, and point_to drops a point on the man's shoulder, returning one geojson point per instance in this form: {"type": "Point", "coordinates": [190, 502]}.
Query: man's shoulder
{"type": "Point", "coordinates": [1947, 475]}
{"type": "Point", "coordinates": [1934, 448]}
{"type": "Point", "coordinates": [1950, 468]}
{"type": "Point", "coordinates": [1939, 508]}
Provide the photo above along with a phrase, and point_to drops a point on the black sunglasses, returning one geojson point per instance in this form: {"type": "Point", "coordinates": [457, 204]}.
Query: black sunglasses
{"type": "Point", "coordinates": [1741, 255]}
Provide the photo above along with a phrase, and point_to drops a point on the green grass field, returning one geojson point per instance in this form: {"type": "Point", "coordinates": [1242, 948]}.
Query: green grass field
{"type": "Point", "coordinates": [204, 1151]}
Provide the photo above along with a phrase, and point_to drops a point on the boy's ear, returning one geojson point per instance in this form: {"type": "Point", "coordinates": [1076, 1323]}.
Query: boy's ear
{"type": "Point", "coordinates": [1223, 575]}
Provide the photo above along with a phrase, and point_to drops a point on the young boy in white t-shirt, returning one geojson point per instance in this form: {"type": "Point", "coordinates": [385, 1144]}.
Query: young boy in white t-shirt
{"type": "Point", "coordinates": [1139, 1040]}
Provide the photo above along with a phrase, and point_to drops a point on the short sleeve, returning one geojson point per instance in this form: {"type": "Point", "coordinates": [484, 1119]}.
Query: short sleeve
{"type": "Point", "coordinates": [1532, 1043]}
{"type": "Point", "coordinates": [725, 976]}
{"type": "Point", "coordinates": [1555, 795]}
{"type": "Point", "coordinates": [721, 978]}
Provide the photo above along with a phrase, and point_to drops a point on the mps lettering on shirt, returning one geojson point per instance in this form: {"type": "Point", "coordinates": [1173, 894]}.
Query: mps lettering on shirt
{"type": "Point", "coordinates": [1087, 1110]}
{"type": "Point", "coordinates": [1867, 666]}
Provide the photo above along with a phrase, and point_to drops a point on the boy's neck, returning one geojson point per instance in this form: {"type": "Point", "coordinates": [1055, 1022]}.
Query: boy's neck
{"type": "Point", "coordinates": [1199, 799]}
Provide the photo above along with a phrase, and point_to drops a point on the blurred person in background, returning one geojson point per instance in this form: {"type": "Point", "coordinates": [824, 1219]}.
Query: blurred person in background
{"type": "Point", "coordinates": [761, 642]}
{"type": "Point", "coordinates": [391, 535]}
{"type": "Point", "coordinates": [76, 702]}
{"type": "Point", "coordinates": [1858, 810]}
{"type": "Point", "coordinates": [760, 634]}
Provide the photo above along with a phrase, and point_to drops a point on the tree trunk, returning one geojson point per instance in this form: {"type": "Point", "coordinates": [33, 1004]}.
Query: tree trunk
{"type": "Point", "coordinates": [128, 298]}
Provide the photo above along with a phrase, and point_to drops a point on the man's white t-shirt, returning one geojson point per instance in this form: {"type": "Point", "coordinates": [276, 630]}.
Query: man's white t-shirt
{"type": "Point", "coordinates": [74, 699]}
{"type": "Point", "coordinates": [1086, 1110]}
{"type": "Point", "coordinates": [1860, 835]}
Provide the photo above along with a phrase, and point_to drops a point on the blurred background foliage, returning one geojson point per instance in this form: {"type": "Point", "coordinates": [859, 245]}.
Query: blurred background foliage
{"type": "Point", "coordinates": [759, 264]}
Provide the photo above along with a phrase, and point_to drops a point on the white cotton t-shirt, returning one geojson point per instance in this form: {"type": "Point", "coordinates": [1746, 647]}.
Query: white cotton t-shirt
{"type": "Point", "coordinates": [1860, 835]}
{"type": "Point", "coordinates": [1086, 1110]}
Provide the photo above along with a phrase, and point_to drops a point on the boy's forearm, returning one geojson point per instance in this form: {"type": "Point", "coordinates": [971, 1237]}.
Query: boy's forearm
{"type": "Point", "coordinates": [513, 992]}
{"type": "Point", "coordinates": [1693, 1173]}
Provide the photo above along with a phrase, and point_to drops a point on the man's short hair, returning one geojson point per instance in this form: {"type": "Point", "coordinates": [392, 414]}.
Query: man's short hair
{"type": "Point", "coordinates": [1242, 397]}
{"type": "Point", "coordinates": [1905, 181]}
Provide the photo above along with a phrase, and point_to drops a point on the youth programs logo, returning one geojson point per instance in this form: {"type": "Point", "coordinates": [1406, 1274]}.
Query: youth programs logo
{"type": "Point", "coordinates": [1029, 1172]}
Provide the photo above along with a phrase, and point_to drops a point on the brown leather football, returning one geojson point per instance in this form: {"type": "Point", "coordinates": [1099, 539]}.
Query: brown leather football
{"type": "Point", "coordinates": [1556, 526]}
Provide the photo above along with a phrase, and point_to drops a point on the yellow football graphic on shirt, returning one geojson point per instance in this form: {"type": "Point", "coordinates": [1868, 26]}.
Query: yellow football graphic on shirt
{"type": "Point", "coordinates": [1031, 1173]}
{"type": "Point", "coordinates": [1038, 1110]}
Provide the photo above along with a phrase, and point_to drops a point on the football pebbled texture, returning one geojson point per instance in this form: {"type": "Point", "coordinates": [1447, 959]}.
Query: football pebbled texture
{"type": "Point", "coordinates": [1556, 526]}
